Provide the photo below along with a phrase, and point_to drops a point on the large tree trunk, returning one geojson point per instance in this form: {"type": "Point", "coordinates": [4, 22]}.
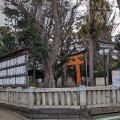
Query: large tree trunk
{"type": "Point", "coordinates": [91, 45]}
{"type": "Point", "coordinates": [118, 2]}
{"type": "Point", "coordinates": [49, 81]}
{"type": "Point", "coordinates": [49, 58]}
{"type": "Point", "coordinates": [52, 55]}
{"type": "Point", "coordinates": [91, 69]}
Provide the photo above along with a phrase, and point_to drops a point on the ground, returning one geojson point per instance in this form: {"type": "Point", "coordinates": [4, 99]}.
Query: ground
{"type": "Point", "coordinates": [7, 115]}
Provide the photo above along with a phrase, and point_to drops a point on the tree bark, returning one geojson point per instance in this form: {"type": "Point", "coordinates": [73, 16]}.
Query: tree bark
{"type": "Point", "coordinates": [91, 64]}
{"type": "Point", "coordinates": [49, 81]}
{"type": "Point", "coordinates": [34, 72]}
{"type": "Point", "coordinates": [49, 59]}
{"type": "Point", "coordinates": [91, 45]}
{"type": "Point", "coordinates": [118, 2]}
{"type": "Point", "coordinates": [52, 55]}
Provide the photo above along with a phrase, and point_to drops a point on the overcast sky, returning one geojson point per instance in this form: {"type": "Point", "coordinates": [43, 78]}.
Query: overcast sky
{"type": "Point", "coordinates": [117, 21]}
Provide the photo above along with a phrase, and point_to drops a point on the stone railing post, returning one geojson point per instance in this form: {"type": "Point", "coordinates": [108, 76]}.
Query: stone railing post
{"type": "Point", "coordinates": [83, 99]}
{"type": "Point", "coordinates": [7, 94]}
{"type": "Point", "coordinates": [114, 95]}
{"type": "Point", "coordinates": [18, 89]}
{"type": "Point", "coordinates": [31, 97]}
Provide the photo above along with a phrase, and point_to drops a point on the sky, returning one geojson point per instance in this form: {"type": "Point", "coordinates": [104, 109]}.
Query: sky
{"type": "Point", "coordinates": [117, 21]}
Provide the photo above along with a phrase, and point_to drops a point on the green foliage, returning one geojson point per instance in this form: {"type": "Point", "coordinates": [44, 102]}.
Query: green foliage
{"type": "Point", "coordinates": [31, 83]}
{"type": "Point", "coordinates": [7, 42]}
{"type": "Point", "coordinates": [101, 11]}
{"type": "Point", "coordinates": [118, 64]}
{"type": "Point", "coordinates": [19, 16]}
{"type": "Point", "coordinates": [117, 40]}
{"type": "Point", "coordinates": [28, 34]}
{"type": "Point", "coordinates": [117, 61]}
{"type": "Point", "coordinates": [30, 37]}
{"type": "Point", "coordinates": [99, 72]}
{"type": "Point", "coordinates": [10, 12]}
{"type": "Point", "coordinates": [84, 32]}
{"type": "Point", "coordinates": [3, 50]}
{"type": "Point", "coordinates": [25, 33]}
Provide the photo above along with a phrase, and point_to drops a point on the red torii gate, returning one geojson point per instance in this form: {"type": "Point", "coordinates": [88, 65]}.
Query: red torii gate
{"type": "Point", "coordinates": [75, 60]}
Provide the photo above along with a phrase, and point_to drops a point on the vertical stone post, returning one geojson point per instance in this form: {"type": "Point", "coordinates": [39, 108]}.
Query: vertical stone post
{"type": "Point", "coordinates": [83, 96]}
{"type": "Point", "coordinates": [31, 97]}
{"type": "Point", "coordinates": [7, 95]}
{"type": "Point", "coordinates": [114, 95]}
{"type": "Point", "coordinates": [18, 89]}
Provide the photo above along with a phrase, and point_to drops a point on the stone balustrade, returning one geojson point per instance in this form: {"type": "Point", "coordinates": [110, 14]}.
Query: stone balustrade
{"type": "Point", "coordinates": [77, 98]}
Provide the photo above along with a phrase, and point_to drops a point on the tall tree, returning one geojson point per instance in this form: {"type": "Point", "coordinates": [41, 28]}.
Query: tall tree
{"type": "Point", "coordinates": [98, 25]}
{"type": "Point", "coordinates": [51, 18]}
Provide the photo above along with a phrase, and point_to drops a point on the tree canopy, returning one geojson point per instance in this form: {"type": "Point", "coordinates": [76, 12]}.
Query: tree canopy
{"type": "Point", "coordinates": [48, 28]}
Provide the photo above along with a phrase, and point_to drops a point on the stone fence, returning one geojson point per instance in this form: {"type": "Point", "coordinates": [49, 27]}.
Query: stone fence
{"type": "Point", "coordinates": [81, 98]}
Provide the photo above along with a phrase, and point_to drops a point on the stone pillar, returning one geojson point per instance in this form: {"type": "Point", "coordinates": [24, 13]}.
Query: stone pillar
{"type": "Point", "coordinates": [7, 95]}
{"type": "Point", "coordinates": [83, 99]}
{"type": "Point", "coordinates": [114, 95]}
{"type": "Point", "coordinates": [17, 95]}
{"type": "Point", "coordinates": [31, 97]}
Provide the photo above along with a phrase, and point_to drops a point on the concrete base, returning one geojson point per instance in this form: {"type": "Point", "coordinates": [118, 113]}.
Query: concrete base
{"type": "Point", "coordinates": [105, 110]}
{"type": "Point", "coordinates": [59, 113]}
{"type": "Point", "coordinates": [100, 81]}
{"type": "Point", "coordinates": [50, 113]}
